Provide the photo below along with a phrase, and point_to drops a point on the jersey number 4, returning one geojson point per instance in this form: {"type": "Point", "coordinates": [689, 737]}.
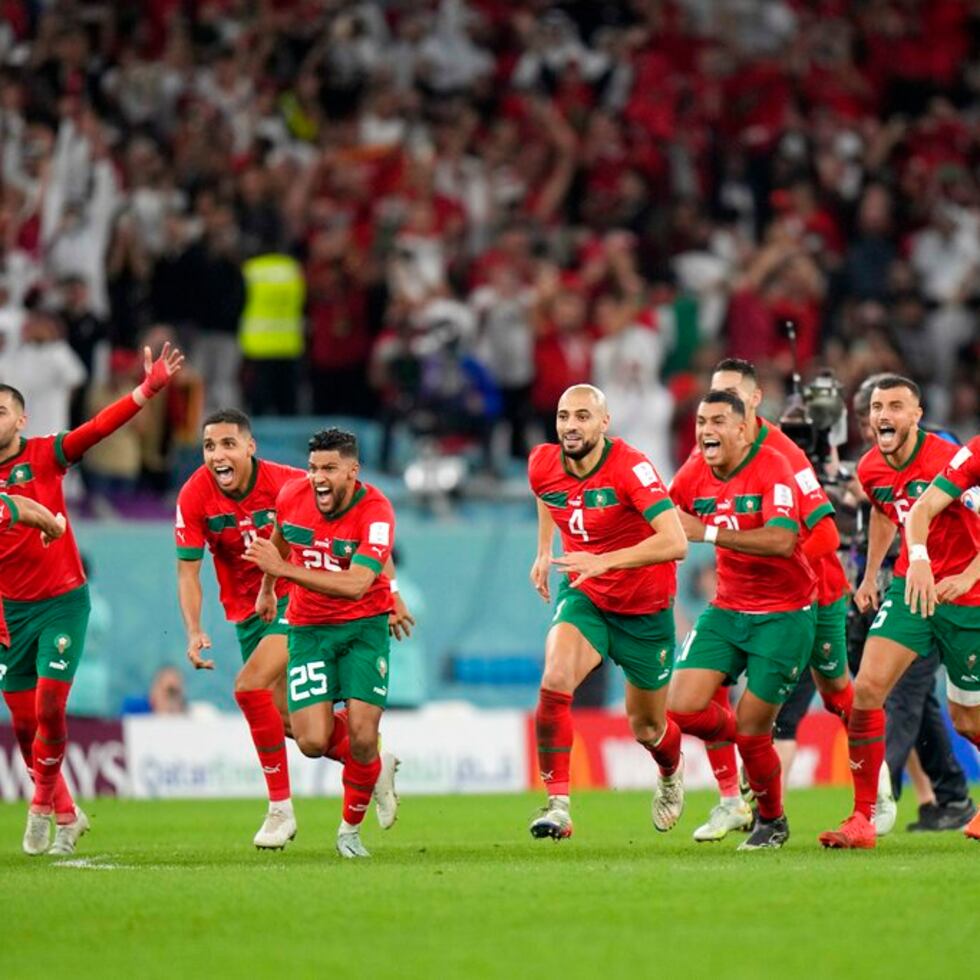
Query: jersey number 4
{"type": "Point", "coordinates": [576, 524]}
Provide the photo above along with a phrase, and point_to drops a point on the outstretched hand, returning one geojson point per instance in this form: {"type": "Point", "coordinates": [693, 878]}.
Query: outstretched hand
{"type": "Point", "coordinates": [160, 372]}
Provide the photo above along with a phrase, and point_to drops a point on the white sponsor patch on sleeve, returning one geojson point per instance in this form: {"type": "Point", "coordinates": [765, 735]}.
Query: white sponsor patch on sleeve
{"type": "Point", "coordinates": [782, 495]}
{"type": "Point", "coordinates": [179, 522]}
{"type": "Point", "coordinates": [807, 481]}
{"type": "Point", "coordinates": [379, 533]}
{"type": "Point", "coordinates": [960, 458]}
{"type": "Point", "coordinates": [646, 474]}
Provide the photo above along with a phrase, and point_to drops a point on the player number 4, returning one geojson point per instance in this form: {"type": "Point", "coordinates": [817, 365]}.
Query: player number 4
{"type": "Point", "coordinates": [311, 674]}
{"type": "Point", "coordinates": [576, 524]}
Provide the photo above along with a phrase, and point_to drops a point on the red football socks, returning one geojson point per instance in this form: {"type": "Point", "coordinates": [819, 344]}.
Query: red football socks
{"type": "Point", "coordinates": [764, 773]}
{"type": "Point", "coordinates": [866, 747]}
{"type": "Point", "coordinates": [359, 780]}
{"type": "Point", "coordinates": [666, 751]}
{"type": "Point", "coordinates": [553, 724]}
{"type": "Point", "coordinates": [721, 752]}
{"type": "Point", "coordinates": [48, 750]}
{"type": "Point", "coordinates": [269, 737]}
{"type": "Point", "coordinates": [23, 716]}
{"type": "Point", "coordinates": [715, 725]}
{"type": "Point", "coordinates": [338, 745]}
{"type": "Point", "coordinates": [840, 703]}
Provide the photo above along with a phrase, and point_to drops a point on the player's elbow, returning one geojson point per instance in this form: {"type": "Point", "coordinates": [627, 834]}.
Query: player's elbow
{"type": "Point", "coordinates": [784, 544]}
{"type": "Point", "coordinates": [678, 549]}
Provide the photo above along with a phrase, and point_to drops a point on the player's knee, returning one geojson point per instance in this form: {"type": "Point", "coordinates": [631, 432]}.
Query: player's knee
{"type": "Point", "coordinates": [646, 729]}
{"type": "Point", "coordinates": [869, 693]}
{"type": "Point", "coordinates": [558, 678]}
{"type": "Point", "coordinates": [311, 747]}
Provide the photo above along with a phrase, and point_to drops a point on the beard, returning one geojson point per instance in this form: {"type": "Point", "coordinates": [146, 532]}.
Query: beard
{"type": "Point", "coordinates": [582, 451]}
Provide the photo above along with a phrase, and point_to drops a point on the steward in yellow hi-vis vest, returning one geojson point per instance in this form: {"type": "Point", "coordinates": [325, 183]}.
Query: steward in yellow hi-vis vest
{"type": "Point", "coordinates": [272, 321]}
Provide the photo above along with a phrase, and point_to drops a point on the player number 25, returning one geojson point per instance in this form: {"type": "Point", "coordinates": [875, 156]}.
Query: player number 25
{"type": "Point", "coordinates": [311, 674]}
{"type": "Point", "coordinates": [319, 560]}
{"type": "Point", "coordinates": [576, 524]}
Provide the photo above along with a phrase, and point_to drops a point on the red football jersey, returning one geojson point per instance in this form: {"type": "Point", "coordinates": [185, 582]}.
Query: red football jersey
{"type": "Point", "coordinates": [962, 471]}
{"type": "Point", "coordinates": [814, 505]}
{"type": "Point", "coordinates": [954, 536]}
{"type": "Point", "coordinates": [28, 570]}
{"type": "Point", "coordinates": [760, 492]}
{"type": "Point", "coordinates": [362, 534]}
{"type": "Point", "coordinates": [226, 524]}
{"type": "Point", "coordinates": [608, 509]}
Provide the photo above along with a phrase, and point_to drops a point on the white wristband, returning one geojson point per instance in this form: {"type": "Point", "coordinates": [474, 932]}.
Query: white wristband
{"type": "Point", "coordinates": [918, 552]}
{"type": "Point", "coordinates": [393, 584]}
{"type": "Point", "coordinates": [711, 533]}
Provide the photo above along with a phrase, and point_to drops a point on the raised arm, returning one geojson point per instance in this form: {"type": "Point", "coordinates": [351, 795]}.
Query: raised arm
{"type": "Point", "coordinates": [159, 373]}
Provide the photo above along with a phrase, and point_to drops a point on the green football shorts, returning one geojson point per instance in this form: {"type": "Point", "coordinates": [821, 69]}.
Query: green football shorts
{"type": "Point", "coordinates": [642, 645]}
{"type": "Point", "coordinates": [47, 639]}
{"type": "Point", "coordinates": [772, 648]}
{"type": "Point", "coordinates": [829, 655]}
{"type": "Point", "coordinates": [952, 630]}
{"type": "Point", "coordinates": [252, 631]}
{"type": "Point", "coordinates": [339, 661]}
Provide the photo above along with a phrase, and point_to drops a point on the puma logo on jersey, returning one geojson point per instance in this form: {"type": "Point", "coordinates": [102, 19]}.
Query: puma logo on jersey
{"type": "Point", "coordinates": [58, 664]}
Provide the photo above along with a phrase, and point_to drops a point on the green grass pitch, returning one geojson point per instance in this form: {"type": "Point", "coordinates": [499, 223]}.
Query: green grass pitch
{"type": "Point", "coordinates": [458, 889]}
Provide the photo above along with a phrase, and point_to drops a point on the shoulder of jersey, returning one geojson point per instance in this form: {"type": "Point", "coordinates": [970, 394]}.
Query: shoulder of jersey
{"type": "Point", "coordinates": [373, 495]}
{"type": "Point", "coordinates": [769, 457]}
{"type": "Point", "coordinates": [868, 460]}
{"type": "Point", "coordinates": [778, 440]}
{"type": "Point", "coordinates": [280, 473]}
{"type": "Point", "coordinates": [200, 481]}
{"type": "Point", "coordinates": [940, 448]}
{"type": "Point", "coordinates": [543, 455]}
{"type": "Point", "coordinates": [293, 488]}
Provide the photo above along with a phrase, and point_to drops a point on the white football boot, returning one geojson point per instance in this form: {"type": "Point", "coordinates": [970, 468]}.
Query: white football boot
{"type": "Point", "coordinates": [349, 844]}
{"type": "Point", "coordinates": [553, 820]}
{"type": "Point", "coordinates": [732, 813]}
{"type": "Point", "coordinates": [278, 828]}
{"type": "Point", "coordinates": [385, 797]}
{"type": "Point", "coordinates": [37, 834]}
{"type": "Point", "coordinates": [66, 835]}
{"type": "Point", "coordinates": [886, 809]}
{"type": "Point", "coordinates": [668, 798]}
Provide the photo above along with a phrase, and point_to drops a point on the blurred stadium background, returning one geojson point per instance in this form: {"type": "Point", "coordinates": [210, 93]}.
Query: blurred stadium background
{"type": "Point", "coordinates": [421, 220]}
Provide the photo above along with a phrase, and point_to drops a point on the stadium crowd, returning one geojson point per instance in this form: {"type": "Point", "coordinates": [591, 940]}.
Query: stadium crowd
{"type": "Point", "coordinates": [449, 211]}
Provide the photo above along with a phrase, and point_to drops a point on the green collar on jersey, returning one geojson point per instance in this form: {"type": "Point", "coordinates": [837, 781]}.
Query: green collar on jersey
{"type": "Point", "coordinates": [762, 433]}
{"type": "Point", "coordinates": [249, 487]}
{"type": "Point", "coordinates": [749, 456]}
{"type": "Point", "coordinates": [22, 447]}
{"type": "Point", "coordinates": [919, 439]}
{"type": "Point", "coordinates": [595, 469]}
{"type": "Point", "coordinates": [359, 493]}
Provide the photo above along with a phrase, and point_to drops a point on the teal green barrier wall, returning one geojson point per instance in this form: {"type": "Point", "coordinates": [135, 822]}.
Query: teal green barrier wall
{"type": "Point", "coordinates": [472, 579]}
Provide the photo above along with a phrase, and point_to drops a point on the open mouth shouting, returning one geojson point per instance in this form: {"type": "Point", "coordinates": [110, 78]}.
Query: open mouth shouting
{"type": "Point", "coordinates": [888, 440]}
{"type": "Point", "coordinates": [710, 448]}
{"type": "Point", "coordinates": [324, 496]}
{"type": "Point", "coordinates": [225, 475]}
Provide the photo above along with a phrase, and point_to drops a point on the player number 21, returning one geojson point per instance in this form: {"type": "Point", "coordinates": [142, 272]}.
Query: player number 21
{"type": "Point", "coordinates": [311, 674]}
{"type": "Point", "coordinates": [576, 524]}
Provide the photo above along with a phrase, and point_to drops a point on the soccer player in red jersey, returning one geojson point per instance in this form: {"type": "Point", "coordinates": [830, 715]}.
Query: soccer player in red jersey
{"type": "Point", "coordinates": [224, 506]}
{"type": "Point", "coordinates": [45, 598]}
{"type": "Point", "coordinates": [741, 497]}
{"type": "Point", "coordinates": [621, 538]}
{"type": "Point", "coordinates": [820, 540]}
{"type": "Point", "coordinates": [894, 474]}
{"type": "Point", "coordinates": [332, 540]}
{"type": "Point", "coordinates": [15, 509]}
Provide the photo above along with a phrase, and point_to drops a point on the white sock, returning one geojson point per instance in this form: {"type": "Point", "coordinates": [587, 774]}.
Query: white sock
{"type": "Point", "coordinates": [561, 801]}
{"type": "Point", "coordinates": [283, 806]}
{"type": "Point", "coordinates": [349, 828]}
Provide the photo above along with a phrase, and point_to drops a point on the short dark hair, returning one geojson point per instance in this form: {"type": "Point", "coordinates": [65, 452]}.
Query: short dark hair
{"type": "Point", "coordinates": [739, 366]}
{"type": "Point", "coordinates": [327, 440]}
{"type": "Point", "coordinates": [229, 416]}
{"type": "Point", "coordinates": [715, 395]}
{"type": "Point", "coordinates": [898, 381]}
{"type": "Point", "coordinates": [14, 393]}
